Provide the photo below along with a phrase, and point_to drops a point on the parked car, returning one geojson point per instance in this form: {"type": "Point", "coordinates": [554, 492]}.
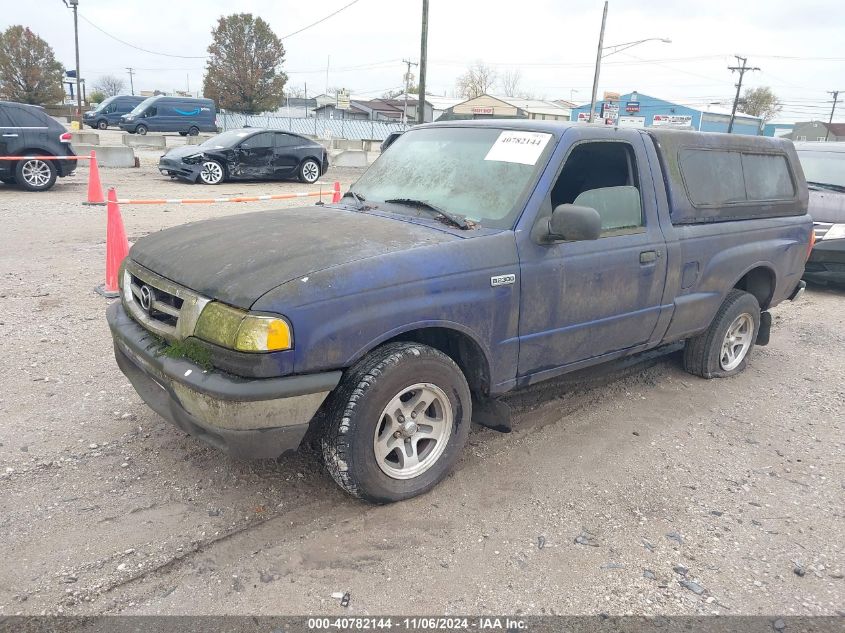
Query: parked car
{"type": "Point", "coordinates": [824, 167]}
{"type": "Point", "coordinates": [471, 259]}
{"type": "Point", "coordinates": [110, 110]}
{"type": "Point", "coordinates": [171, 114]}
{"type": "Point", "coordinates": [247, 154]}
{"type": "Point", "coordinates": [26, 130]}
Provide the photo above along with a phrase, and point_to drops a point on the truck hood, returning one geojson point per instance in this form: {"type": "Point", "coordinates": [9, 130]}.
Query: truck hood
{"type": "Point", "coordinates": [827, 206]}
{"type": "Point", "coordinates": [239, 258]}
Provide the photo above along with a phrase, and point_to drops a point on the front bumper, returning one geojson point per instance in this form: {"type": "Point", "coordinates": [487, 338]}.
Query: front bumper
{"type": "Point", "coordinates": [826, 262]}
{"type": "Point", "coordinates": [179, 169]}
{"type": "Point", "coordinates": [246, 418]}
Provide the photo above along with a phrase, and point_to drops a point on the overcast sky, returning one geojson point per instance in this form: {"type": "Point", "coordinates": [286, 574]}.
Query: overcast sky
{"type": "Point", "coordinates": [799, 46]}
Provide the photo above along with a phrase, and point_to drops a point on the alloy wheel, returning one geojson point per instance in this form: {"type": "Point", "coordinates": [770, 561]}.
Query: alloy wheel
{"type": "Point", "coordinates": [737, 342]}
{"type": "Point", "coordinates": [211, 173]}
{"type": "Point", "coordinates": [413, 431]}
{"type": "Point", "coordinates": [36, 173]}
{"type": "Point", "coordinates": [310, 171]}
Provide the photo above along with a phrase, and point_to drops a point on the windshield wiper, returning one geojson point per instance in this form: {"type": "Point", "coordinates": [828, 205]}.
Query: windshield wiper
{"type": "Point", "coordinates": [826, 185]}
{"type": "Point", "coordinates": [457, 220]}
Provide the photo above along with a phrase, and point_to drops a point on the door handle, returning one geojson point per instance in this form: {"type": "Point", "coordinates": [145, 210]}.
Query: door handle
{"type": "Point", "coordinates": [648, 257]}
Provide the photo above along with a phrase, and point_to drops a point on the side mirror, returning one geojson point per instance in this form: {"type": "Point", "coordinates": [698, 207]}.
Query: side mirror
{"type": "Point", "coordinates": [572, 223]}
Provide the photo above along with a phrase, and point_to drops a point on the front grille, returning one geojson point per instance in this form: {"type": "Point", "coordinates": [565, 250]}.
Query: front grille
{"type": "Point", "coordinates": [160, 305]}
{"type": "Point", "coordinates": [164, 307]}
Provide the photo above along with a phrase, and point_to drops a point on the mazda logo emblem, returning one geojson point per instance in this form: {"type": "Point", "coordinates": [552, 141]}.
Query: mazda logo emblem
{"type": "Point", "coordinates": [146, 298]}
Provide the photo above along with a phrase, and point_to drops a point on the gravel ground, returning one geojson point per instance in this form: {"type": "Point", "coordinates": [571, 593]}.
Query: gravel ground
{"type": "Point", "coordinates": [633, 489]}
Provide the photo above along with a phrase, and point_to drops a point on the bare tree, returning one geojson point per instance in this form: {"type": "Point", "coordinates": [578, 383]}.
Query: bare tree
{"type": "Point", "coordinates": [294, 92]}
{"type": "Point", "coordinates": [477, 80]}
{"type": "Point", "coordinates": [510, 83]}
{"type": "Point", "coordinates": [110, 85]}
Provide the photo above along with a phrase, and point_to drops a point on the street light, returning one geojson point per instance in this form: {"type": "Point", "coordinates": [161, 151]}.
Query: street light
{"type": "Point", "coordinates": [617, 48]}
{"type": "Point", "coordinates": [74, 4]}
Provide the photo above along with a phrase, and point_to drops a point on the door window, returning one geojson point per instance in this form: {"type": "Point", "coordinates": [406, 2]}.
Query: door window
{"type": "Point", "coordinates": [287, 140]}
{"type": "Point", "coordinates": [603, 176]}
{"type": "Point", "coordinates": [259, 141]}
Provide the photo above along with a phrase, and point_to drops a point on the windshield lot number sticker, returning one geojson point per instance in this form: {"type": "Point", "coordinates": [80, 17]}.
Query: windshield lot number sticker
{"type": "Point", "coordinates": [518, 147]}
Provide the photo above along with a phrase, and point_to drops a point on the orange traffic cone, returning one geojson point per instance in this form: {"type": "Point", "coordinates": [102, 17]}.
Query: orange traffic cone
{"type": "Point", "coordinates": [95, 189]}
{"type": "Point", "coordinates": [336, 192]}
{"type": "Point", "coordinates": [117, 247]}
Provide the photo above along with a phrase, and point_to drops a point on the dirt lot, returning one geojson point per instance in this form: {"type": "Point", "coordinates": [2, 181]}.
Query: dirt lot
{"type": "Point", "coordinates": [685, 496]}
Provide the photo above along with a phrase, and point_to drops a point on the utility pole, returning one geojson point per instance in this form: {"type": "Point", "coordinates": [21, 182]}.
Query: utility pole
{"type": "Point", "coordinates": [835, 94]}
{"type": "Point", "coordinates": [598, 65]}
{"type": "Point", "coordinates": [423, 63]}
{"type": "Point", "coordinates": [74, 4]}
{"type": "Point", "coordinates": [741, 70]}
{"type": "Point", "coordinates": [131, 81]}
{"type": "Point", "coordinates": [408, 63]}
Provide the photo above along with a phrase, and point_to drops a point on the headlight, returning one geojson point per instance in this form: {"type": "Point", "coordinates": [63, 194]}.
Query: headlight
{"type": "Point", "coordinates": [242, 331]}
{"type": "Point", "coordinates": [193, 159]}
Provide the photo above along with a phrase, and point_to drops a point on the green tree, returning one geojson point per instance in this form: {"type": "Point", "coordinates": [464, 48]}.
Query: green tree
{"type": "Point", "coordinates": [96, 96]}
{"type": "Point", "coordinates": [243, 72]}
{"type": "Point", "coordinates": [29, 72]}
{"type": "Point", "coordinates": [761, 102]}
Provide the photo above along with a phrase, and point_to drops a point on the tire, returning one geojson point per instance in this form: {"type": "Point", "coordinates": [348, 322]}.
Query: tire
{"type": "Point", "coordinates": [357, 423]}
{"type": "Point", "coordinates": [102, 124]}
{"type": "Point", "coordinates": [193, 131]}
{"type": "Point", "coordinates": [309, 171]}
{"type": "Point", "coordinates": [141, 129]}
{"type": "Point", "coordinates": [211, 173]}
{"type": "Point", "coordinates": [35, 174]}
{"type": "Point", "coordinates": [183, 134]}
{"type": "Point", "coordinates": [711, 354]}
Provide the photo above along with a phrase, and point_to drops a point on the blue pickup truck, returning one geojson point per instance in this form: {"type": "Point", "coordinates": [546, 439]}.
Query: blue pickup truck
{"type": "Point", "coordinates": [471, 259]}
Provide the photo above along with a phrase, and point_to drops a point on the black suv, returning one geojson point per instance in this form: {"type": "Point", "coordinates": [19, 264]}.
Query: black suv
{"type": "Point", "coordinates": [27, 130]}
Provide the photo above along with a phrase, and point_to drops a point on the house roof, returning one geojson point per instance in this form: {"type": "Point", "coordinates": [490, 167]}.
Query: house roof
{"type": "Point", "coordinates": [532, 106]}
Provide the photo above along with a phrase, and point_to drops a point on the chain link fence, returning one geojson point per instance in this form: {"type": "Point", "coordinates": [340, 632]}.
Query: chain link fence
{"type": "Point", "coordinates": [319, 128]}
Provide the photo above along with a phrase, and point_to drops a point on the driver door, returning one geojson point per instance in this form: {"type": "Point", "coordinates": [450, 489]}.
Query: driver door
{"type": "Point", "coordinates": [581, 300]}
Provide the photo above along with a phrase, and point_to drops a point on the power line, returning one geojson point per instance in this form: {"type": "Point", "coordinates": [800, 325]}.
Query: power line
{"type": "Point", "coordinates": [321, 20]}
{"type": "Point", "coordinates": [145, 50]}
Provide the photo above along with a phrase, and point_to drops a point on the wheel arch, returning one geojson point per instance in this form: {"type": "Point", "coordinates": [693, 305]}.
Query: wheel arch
{"type": "Point", "coordinates": [458, 344]}
{"type": "Point", "coordinates": [760, 281]}
{"type": "Point", "coordinates": [34, 151]}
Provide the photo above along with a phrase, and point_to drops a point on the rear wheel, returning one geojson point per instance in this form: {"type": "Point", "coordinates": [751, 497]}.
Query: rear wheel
{"type": "Point", "coordinates": [193, 131]}
{"type": "Point", "coordinates": [397, 423]}
{"type": "Point", "coordinates": [35, 174]}
{"type": "Point", "coordinates": [211, 172]}
{"type": "Point", "coordinates": [723, 349]}
{"type": "Point", "coordinates": [309, 171]}
{"type": "Point", "coordinates": [102, 124]}
{"type": "Point", "coordinates": [141, 129]}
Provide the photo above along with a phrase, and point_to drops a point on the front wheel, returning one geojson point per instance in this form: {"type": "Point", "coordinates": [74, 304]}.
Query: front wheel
{"type": "Point", "coordinates": [141, 129]}
{"type": "Point", "coordinates": [35, 174]}
{"type": "Point", "coordinates": [309, 171]}
{"type": "Point", "coordinates": [211, 172]}
{"type": "Point", "coordinates": [397, 423]}
{"type": "Point", "coordinates": [723, 349]}
{"type": "Point", "coordinates": [102, 124]}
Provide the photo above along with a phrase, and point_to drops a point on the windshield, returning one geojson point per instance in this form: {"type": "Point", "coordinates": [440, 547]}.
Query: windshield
{"type": "Point", "coordinates": [142, 106]}
{"type": "Point", "coordinates": [226, 139]}
{"type": "Point", "coordinates": [481, 174]}
{"type": "Point", "coordinates": [103, 104]}
{"type": "Point", "coordinates": [827, 168]}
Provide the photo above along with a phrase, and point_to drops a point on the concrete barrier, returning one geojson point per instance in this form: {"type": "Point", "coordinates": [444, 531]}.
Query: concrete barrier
{"type": "Point", "coordinates": [347, 144]}
{"type": "Point", "coordinates": [84, 138]}
{"type": "Point", "coordinates": [109, 155]}
{"type": "Point", "coordinates": [348, 158]}
{"type": "Point", "coordinates": [197, 140]}
{"type": "Point", "coordinates": [146, 140]}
